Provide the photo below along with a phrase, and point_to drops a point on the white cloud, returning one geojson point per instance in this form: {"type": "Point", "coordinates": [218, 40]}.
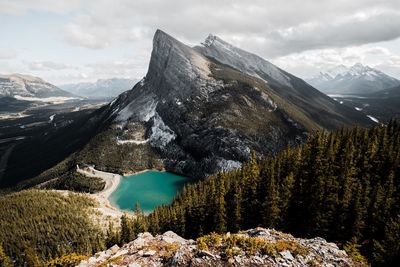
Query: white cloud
{"type": "Point", "coordinates": [300, 35]}
{"type": "Point", "coordinates": [267, 27]}
{"type": "Point", "coordinates": [6, 53]}
{"type": "Point", "coordinates": [47, 65]}
{"type": "Point", "coordinates": [123, 69]}
{"type": "Point", "coordinates": [21, 7]}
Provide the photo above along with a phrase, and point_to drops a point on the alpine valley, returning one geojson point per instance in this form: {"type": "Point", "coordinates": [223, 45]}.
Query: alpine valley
{"type": "Point", "coordinates": [261, 147]}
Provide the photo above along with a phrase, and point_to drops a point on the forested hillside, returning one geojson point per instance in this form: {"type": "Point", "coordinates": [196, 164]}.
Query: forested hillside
{"type": "Point", "coordinates": [343, 186]}
{"type": "Point", "coordinates": [37, 226]}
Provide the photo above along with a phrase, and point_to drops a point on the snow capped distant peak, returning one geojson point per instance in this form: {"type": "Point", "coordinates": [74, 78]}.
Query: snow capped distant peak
{"type": "Point", "coordinates": [354, 79]}
{"type": "Point", "coordinates": [359, 69]}
{"type": "Point", "coordinates": [209, 40]}
{"type": "Point", "coordinates": [339, 70]}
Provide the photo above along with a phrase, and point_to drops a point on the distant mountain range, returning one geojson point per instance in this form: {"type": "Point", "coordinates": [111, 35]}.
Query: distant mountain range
{"type": "Point", "coordinates": [357, 79]}
{"type": "Point", "coordinates": [27, 87]}
{"type": "Point", "coordinates": [102, 88]}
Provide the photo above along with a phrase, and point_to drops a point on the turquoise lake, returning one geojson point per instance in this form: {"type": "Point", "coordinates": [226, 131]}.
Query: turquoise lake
{"type": "Point", "coordinates": [150, 189]}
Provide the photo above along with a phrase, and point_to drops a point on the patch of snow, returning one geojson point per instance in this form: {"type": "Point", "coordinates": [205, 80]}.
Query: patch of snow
{"type": "Point", "coordinates": [142, 109]}
{"type": "Point", "coordinates": [358, 109]}
{"type": "Point", "coordinates": [178, 102]}
{"type": "Point", "coordinates": [344, 96]}
{"type": "Point", "coordinates": [244, 61]}
{"type": "Point", "coordinates": [148, 111]}
{"type": "Point", "coordinates": [13, 115]}
{"type": "Point", "coordinates": [228, 165]}
{"type": "Point", "coordinates": [273, 106]}
{"type": "Point", "coordinates": [51, 118]}
{"type": "Point", "coordinates": [112, 102]}
{"type": "Point", "coordinates": [373, 118]}
{"type": "Point", "coordinates": [161, 134]}
{"type": "Point", "coordinates": [341, 102]}
{"type": "Point", "coordinates": [53, 99]}
{"type": "Point", "coordinates": [131, 141]}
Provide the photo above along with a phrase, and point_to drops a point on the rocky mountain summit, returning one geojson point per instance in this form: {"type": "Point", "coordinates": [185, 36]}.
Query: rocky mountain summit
{"type": "Point", "coordinates": [201, 110]}
{"type": "Point", "coordinates": [254, 247]}
{"type": "Point", "coordinates": [26, 87]}
{"type": "Point", "coordinates": [356, 79]}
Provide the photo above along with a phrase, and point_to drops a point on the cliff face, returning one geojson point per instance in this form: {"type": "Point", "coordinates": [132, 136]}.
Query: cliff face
{"type": "Point", "coordinates": [203, 109]}
{"type": "Point", "coordinates": [254, 247]}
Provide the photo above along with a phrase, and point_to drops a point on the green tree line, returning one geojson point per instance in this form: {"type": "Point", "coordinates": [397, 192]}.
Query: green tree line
{"type": "Point", "coordinates": [343, 186]}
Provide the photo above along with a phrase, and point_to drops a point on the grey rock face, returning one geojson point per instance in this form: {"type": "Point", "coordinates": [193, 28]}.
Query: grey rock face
{"type": "Point", "coordinates": [206, 108]}
{"type": "Point", "coordinates": [170, 249]}
{"type": "Point", "coordinates": [246, 62]}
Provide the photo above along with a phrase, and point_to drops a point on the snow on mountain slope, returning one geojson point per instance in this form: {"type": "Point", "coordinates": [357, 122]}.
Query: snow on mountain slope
{"type": "Point", "coordinates": [244, 61]}
{"type": "Point", "coordinates": [29, 87]}
{"type": "Point", "coordinates": [357, 79]}
{"type": "Point", "coordinates": [204, 109]}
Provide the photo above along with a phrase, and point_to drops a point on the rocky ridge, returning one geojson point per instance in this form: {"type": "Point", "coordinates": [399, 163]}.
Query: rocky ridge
{"type": "Point", "coordinates": [254, 247]}
{"type": "Point", "coordinates": [19, 85]}
{"type": "Point", "coordinates": [202, 109]}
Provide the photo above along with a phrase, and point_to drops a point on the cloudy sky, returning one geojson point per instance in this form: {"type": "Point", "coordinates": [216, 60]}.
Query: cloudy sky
{"type": "Point", "coordinates": [67, 41]}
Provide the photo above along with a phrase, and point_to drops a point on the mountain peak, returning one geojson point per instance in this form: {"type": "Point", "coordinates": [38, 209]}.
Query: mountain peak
{"type": "Point", "coordinates": [211, 39]}
{"type": "Point", "coordinates": [161, 35]}
{"type": "Point", "coordinates": [360, 68]}
{"type": "Point", "coordinates": [249, 63]}
{"type": "Point", "coordinates": [174, 63]}
{"type": "Point", "coordinates": [356, 79]}
{"type": "Point", "coordinates": [23, 85]}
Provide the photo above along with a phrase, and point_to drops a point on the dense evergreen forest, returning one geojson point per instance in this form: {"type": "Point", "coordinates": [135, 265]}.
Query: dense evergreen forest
{"type": "Point", "coordinates": [343, 186]}
{"type": "Point", "coordinates": [38, 225]}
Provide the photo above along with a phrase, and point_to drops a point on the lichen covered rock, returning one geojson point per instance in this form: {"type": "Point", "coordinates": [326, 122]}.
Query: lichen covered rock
{"type": "Point", "coordinates": [254, 247]}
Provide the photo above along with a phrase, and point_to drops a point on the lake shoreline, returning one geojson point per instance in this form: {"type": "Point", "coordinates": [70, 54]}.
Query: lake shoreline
{"type": "Point", "coordinates": [149, 188]}
{"type": "Point", "coordinates": [112, 181]}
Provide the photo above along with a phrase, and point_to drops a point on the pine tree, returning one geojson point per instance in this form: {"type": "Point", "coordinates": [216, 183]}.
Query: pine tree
{"type": "Point", "coordinates": [30, 257]}
{"type": "Point", "coordinates": [112, 237]}
{"type": "Point", "coordinates": [271, 203]}
{"type": "Point", "coordinates": [220, 211]}
{"type": "Point", "coordinates": [127, 231]}
{"type": "Point", "coordinates": [5, 261]}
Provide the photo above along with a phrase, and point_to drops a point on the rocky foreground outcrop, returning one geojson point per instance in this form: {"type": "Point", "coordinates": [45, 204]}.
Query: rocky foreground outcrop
{"type": "Point", "coordinates": [255, 247]}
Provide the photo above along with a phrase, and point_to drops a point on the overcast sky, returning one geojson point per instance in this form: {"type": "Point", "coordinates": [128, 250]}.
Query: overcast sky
{"type": "Point", "coordinates": [67, 41]}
